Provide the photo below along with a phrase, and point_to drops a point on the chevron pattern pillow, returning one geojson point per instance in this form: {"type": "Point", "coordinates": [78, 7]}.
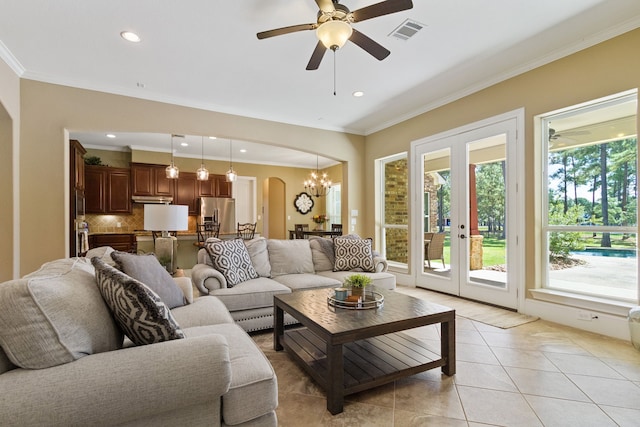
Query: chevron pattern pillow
{"type": "Point", "coordinates": [353, 254]}
{"type": "Point", "coordinates": [231, 258]}
{"type": "Point", "coordinates": [139, 311]}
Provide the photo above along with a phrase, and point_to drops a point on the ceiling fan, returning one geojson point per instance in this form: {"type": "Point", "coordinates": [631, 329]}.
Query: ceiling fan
{"type": "Point", "coordinates": [333, 27]}
{"type": "Point", "coordinates": [553, 135]}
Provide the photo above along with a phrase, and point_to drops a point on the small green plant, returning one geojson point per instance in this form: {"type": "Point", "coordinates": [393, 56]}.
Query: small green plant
{"type": "Point", "coordinates": [357, 281]}
{"type": "Point", "coordinates": [93, 160]}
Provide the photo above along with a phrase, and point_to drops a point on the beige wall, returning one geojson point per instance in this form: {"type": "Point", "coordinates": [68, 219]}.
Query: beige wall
{"type": "Point", "coordinates": [605, 69]}
{"type": "Point", "coordinates": [9, 139]}
{"type": "Point", "coordinates": [48, 110]}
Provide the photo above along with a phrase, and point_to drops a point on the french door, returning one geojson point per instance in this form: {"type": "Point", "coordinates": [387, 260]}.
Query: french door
{"type": "Point", "coordinates": [466, 217]}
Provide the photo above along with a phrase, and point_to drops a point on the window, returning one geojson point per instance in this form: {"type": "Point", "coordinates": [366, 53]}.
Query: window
{"type": "Point", "coordinates": [334, 206]}
{"type": "Point", "coordinates": [590, 197]}
{"type": "Point", "coordinates": [394, 217]}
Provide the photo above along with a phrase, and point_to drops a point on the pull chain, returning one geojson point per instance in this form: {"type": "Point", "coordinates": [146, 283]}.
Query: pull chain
{"type": "Point", "coordinates": [334, 72]}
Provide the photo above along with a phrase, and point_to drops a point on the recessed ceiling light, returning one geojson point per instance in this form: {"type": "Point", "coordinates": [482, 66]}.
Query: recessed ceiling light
{"type": "Point", "coordinates": [130, 36]}
{"type": "Point", "coordinates": [243, 150]}
{"type": "Point", "coordinates": [358, 93]}
{"type": "Point", "coordinates": [212, 137]}
{"type": "Point", "coordinates": [184, 144]}
{"type": "Point", "coordinates": [110, 135]}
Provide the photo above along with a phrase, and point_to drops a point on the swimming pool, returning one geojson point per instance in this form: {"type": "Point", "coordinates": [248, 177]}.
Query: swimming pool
{"type": "Point", "coordinates": [607, 252]}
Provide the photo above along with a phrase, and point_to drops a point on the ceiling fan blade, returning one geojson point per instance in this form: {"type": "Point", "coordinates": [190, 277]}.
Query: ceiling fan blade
{"type": "Point", "coordinates": [372, 47]}
{"type": "Point", "coordinates": [326, 5]}
{"type": "Point", "coordinates": [380, 9]}
{"type": "Point", "coordinates": [316, 57]}
{"type": "Point", "coordinates": [286, 30]}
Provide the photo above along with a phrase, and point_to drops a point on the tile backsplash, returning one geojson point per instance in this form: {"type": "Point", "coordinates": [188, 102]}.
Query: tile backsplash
{"type": "Point", "coordinates": [99, 223]}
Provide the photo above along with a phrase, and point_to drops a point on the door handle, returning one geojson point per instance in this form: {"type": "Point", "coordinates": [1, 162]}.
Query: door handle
{"type": "Point", "coordinates": [462, 236]}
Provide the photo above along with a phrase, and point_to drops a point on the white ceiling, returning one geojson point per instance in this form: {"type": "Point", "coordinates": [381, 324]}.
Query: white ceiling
{"type": "Point", "coordinates": [205, 53]}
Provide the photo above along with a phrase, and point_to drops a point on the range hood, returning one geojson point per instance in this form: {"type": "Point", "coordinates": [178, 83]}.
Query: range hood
{"type": "Point", "coordinates": [152, 199]}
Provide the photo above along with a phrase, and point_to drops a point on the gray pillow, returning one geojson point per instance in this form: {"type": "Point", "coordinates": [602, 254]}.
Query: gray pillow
{"type": "Point", "coordinates": [322, 252]}
{"type": "Point", "coordinates": [148, 270]}
{"type": "Point", "coordinates": [231, 258]}
{"type": "Point", "coordinates": [353, 254]}
{"type": "Point", "coordinates": [290, 257]}
{"type": "Point", "coordinates": [55, 315]}
{"type": "Point", "coordinates": [139, 311]}
{"type": "Point", "coordinates": [257, 249]}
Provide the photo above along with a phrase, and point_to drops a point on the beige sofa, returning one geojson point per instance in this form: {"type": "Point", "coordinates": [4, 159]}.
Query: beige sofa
{"type": "Point", "coordinates": [64, 361]}
{"type": "Point", "coordinates": [282, 266]}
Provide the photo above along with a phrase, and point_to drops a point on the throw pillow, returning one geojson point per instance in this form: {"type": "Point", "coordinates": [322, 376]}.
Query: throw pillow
{"type": "Point", "coordinates": [257, 249]}
{"type": "Point", "coordinates": [290, 257]}
{"type": "Point", "coordinates": [323, 253]}
{"type": "Point", "coordinates": [55, 316]}
{"type": "Point", "coordinates": [148, 270]}
{"type": "Point", "coordinates": [231, 258]}
{"type": "Point", "coordinates": [139, 311]}
{"type": "Point", "coordinates": [352, 254]}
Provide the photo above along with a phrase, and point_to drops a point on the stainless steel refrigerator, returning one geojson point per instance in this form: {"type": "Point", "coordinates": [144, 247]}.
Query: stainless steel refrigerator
{"type": "Point", "coordinates": [221, 210]}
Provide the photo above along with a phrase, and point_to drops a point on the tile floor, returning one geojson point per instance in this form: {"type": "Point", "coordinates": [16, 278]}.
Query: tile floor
{"type": "Point", "coordinates": [536, 374]}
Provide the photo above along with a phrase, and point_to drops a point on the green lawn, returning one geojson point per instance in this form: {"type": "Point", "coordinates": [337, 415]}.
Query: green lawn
{"type": "Point", "coordinates": [493, 251]}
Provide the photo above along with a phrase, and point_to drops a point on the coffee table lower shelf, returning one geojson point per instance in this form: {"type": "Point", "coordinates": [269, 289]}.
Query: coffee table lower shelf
{"type": "Point", "coordinates": [368, 363]}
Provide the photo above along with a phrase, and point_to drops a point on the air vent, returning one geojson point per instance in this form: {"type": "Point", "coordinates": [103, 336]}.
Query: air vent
{"type": "Point", "coordinates": [407, 29]}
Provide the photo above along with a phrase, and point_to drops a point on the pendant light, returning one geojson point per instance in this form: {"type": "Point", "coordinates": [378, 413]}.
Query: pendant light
{"type": "Point", "coordinates": [172, 170]}
{"type": "Point", "coordinates": [202, 173]}
{"type": "Point", "coordinates": [231, 174]}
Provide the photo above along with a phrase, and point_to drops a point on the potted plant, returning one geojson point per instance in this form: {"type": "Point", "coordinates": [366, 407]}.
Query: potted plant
{"type": "Point", "coordinates": [357, 282]}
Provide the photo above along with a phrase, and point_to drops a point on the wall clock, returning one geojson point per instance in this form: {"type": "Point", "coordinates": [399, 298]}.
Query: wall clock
{"type": "Point", "coordinates": [303, 203]}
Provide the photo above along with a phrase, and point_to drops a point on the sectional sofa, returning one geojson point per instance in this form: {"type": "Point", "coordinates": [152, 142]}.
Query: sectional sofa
{"type": "Point", "coordinates": [278, 267]}
{"type": "Point", "coordinates": [64, 360]}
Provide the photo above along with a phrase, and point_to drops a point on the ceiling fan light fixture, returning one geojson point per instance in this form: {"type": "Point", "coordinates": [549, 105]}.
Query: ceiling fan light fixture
{"type": "Point", "coordinates": [334, 34]}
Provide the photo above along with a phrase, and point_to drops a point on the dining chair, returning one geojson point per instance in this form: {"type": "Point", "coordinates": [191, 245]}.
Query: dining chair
{"type": "Point", "coordinates": [300, 229]}
{"type": "Point", "coordinates": [434, 247]}
{"type": "Point", "coordinates": [336, 228]}
{"type": "Point", "coordinates": [207, 230]}
{"type": "Point", "coordinates": [246, 231]}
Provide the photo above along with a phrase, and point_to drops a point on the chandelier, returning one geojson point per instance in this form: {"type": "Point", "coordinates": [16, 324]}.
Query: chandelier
{"type": "Point", "coordinates": [318, 184]}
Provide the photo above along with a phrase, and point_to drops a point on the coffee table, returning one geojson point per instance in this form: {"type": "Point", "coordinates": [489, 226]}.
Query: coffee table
{"type": "Point", "coordinates": [347, 351]}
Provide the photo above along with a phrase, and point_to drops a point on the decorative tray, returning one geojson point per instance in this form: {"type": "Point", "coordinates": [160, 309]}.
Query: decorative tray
{"type": "Point", "coordinates": [371, 300]}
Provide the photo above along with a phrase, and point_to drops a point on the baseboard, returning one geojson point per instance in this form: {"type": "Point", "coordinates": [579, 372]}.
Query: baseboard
{"type": "Point", "coordinates": [599, 323]}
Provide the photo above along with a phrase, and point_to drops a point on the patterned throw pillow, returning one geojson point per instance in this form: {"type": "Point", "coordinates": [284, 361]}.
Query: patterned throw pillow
{"type": "Point", "coordinates": [139, 311]}
{"type": "Point", "coordinates": [231, 258]}
{"type": "Point", "coordinates": [352, 254]}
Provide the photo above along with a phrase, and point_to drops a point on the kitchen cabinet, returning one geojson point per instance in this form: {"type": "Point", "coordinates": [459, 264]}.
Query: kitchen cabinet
{"type": "Point", "coordinates": [77, 165]}
{"type": "Point", "coordinates": [187, 191]}
{"type": "Point", "coordinates": [107, 190]}
{"type": "Point", "coordinates": [215, 186]}
{"type": "Point", "coordinates": [125, 242]}
{"type": "Point", "coordinates": [151, 180]}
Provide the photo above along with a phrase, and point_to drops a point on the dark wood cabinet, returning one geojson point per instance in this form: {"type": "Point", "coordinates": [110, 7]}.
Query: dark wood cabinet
{"type": "Point", "coordinates": [107, 190]}
{"type": "Point", "coordinates": [77, 165]}
{"type": "Point", "coordinates": [125, 242]}
{"type": "Point", "coordinates": [187, 191]}
{"type": "Point", "coordinates": [223, 188]}
{"type": "Point", "coordinates": [151, 180]}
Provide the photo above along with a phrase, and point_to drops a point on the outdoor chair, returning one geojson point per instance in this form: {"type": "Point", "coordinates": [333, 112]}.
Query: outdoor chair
{"type": "Point", "coordinates": [434, 247]}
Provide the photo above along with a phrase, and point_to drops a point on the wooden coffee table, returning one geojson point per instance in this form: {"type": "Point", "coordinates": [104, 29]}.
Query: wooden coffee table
{"type": "Point", "coordinates": [347, 351]}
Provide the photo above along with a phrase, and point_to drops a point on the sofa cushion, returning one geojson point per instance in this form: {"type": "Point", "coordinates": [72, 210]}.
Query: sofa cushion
{"type": "Point", "coordinates": [148, 270]}
{"type": "Point", "coordinates": [290, 256]}
{"type": "Point", "coordinates": [139, 311]}
{"type": "Point", "coordinates": [257, 249]}
{"type": "Point", "coordinates": [206, 310]}
{"type": "Point", "coordinates": [353, 254]}
{"type": "Point", "coordinates": [231, 258]}
{"type": "Point", "coordinates": [322, 253]}
{"type": "Point", "coordinates": [254, 293]}
{"type": "Point", "coordinates": [55, 315]}
{"type": "Point", "coordinates": [297, 282]}
{"type": "Point", "coordinates": [254, 386]}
